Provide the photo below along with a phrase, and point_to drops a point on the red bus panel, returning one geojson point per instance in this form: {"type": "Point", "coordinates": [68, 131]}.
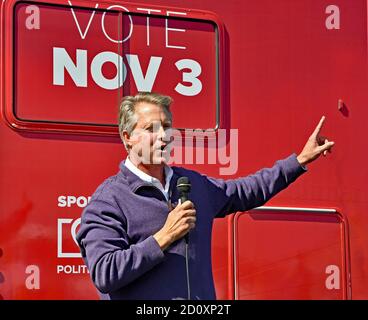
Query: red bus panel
{"type": "Point", "coordinates": [289, 254]}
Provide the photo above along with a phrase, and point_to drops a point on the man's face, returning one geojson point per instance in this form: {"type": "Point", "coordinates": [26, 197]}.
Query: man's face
{"type": "Point", "coordinates": [150, 135]}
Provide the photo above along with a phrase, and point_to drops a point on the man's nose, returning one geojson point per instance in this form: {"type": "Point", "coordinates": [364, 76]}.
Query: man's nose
{"type": "Point", "coordinates": [161, 134]}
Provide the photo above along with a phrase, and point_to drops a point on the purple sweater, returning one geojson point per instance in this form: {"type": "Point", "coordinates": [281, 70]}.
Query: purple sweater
{"type": "Point", "coordinates": [115, 236]}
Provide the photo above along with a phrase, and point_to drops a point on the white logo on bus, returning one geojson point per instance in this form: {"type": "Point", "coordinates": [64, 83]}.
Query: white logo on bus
{"type": "Point", "coordinates": [60, 240]}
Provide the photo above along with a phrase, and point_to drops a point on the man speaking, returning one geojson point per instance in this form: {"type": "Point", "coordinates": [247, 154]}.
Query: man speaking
{"type": "Point", "coordinates": [139, 236]}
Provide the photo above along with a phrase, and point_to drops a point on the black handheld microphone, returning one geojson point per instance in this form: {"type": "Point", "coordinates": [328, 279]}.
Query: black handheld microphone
{"type": "Point", "coordinates": [183, 185]}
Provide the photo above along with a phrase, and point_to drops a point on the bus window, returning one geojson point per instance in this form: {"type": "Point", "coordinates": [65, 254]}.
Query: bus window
{"type": "Point", "coordinates": [71, 76]}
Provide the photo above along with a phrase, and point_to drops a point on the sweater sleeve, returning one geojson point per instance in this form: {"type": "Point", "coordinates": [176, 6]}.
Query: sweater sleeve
{"type": "Point", "coordinates": [112, 261]}
{"type": "Point", "coordinates": [254, 190]}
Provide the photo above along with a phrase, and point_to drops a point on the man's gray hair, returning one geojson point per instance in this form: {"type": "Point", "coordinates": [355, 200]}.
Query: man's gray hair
{"type": "Point", "coordinates": [127, 117]}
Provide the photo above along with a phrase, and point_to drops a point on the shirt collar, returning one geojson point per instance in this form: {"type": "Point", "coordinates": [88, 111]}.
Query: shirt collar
{"type": "Point", "coordinates": [147, 178]}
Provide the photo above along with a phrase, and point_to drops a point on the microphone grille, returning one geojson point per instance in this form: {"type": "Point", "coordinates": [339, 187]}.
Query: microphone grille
{"type": "Point", "coordinates": [183, 184]}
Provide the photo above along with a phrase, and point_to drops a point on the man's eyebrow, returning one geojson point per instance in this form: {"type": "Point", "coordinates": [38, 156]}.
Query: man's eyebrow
{"type": "Point", "coordinates": [151, 122]}
{"type": "Point", "coordinates": [148, 123]}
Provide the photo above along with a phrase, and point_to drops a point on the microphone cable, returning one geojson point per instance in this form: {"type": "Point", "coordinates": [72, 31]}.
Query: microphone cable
{"type": "Point", "coordinates": [187, 260]}
{"type": "Point", "coordinates": [183, 186]}
{"type": "Point", "coordinates": [186, 252]}
{"type": "Point", "coordinates": [187, 264]}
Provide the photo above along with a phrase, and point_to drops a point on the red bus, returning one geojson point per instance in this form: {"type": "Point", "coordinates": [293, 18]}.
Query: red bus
{"type": "Point", "coordinates": [267, 69]}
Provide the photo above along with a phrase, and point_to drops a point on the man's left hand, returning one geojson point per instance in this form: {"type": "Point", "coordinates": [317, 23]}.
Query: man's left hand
{"type": "Point", "coordinates": [315, 146]}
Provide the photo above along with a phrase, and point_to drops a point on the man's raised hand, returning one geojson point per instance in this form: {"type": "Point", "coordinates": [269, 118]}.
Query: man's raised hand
{"type": "Point", "coordinates": [315, 146]}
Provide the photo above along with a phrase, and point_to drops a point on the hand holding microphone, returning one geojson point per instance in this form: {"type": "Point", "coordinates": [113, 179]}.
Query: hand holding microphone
{"type": "Point", "coordinates": [180, 220]}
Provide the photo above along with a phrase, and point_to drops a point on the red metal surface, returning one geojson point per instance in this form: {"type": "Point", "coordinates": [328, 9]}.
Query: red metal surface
{"type": "Point", "coordinates": [291, 255]}
{"type": "Point", "coordinates": [280, 70]}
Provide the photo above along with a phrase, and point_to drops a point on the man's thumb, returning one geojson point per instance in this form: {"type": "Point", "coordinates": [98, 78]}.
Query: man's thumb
{"type": "Point", "coordinates": [326, 146]}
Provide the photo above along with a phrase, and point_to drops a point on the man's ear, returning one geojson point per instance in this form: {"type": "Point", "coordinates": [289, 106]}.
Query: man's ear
{"type": "Point", "coordinates": [127, 138]}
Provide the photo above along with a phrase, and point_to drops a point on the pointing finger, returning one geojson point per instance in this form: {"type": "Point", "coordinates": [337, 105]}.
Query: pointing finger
{"type": "Point", "coordinates": [319, 127]}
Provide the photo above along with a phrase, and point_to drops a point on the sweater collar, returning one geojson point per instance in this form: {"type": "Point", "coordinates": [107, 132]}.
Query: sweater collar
{"type": "Point", "coordinates": [136, 182]}
{"type": "Point", "coordinates": [146, 177]}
